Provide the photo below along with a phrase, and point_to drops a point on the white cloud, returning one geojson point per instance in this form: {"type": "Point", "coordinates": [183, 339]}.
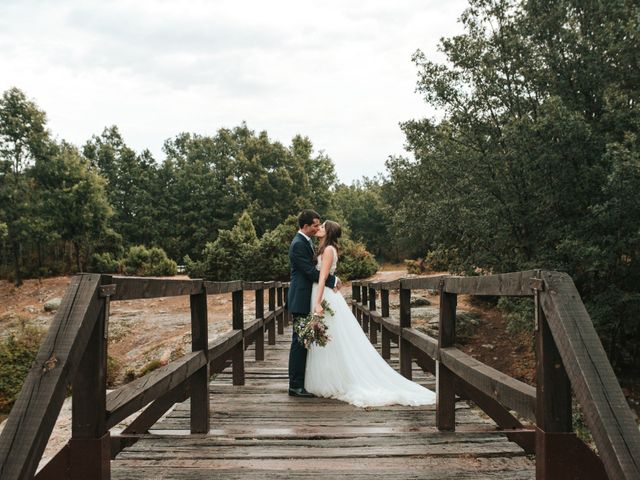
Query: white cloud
{"type": "Point", "coordinates": [336, 71]}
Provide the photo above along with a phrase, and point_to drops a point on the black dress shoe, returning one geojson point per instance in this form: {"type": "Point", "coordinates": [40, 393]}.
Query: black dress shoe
{"type": "Point", "coordinates": [300, 392]}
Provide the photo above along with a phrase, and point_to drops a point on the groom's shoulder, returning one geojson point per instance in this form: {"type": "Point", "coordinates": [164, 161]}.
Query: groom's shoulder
{"type": "Point", "coordinates": [296, 238]}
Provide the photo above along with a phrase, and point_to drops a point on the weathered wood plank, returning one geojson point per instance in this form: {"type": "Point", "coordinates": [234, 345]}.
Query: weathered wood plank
{"type": "Point", "coordinates": [33, 416]}
{"type": "Point", "coordinates": [516, 284]}
{"type": "Point", "coordinates": [422, 283]}
{"type": "Point", "coordinates": [214, 288]}
{"type": "Point", "coordinates": [131, 288]}
{"type": "Point", "coordinates": [594, 383]}
{"type": "Point", "coordinates": [223, 343]}
{"type": "Point", "coordinates": [421, 341]}
{"type": "Point", "coordinates": [508, 391]}
{"type": "Point", "coordinates": [133, 396]}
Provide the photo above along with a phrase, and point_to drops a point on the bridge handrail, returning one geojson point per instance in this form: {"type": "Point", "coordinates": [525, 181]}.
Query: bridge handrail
{"type": "Point", "coordinates": [569, 355]}
{"type": "Point", "coordinates": [75, 351]}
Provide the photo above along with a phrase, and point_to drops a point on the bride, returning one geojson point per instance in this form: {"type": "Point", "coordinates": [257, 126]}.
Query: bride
{"type": "Point", "coordinates": [349, 368]}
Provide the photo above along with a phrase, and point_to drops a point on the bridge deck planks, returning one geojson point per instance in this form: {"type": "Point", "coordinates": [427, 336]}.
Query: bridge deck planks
{"type": "Point", "coordinates": [259, 432]}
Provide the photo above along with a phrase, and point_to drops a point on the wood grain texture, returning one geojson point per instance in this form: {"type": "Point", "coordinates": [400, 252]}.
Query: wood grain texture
{"type": "Point", "coordinates": [131, 288]}
{"type": "Point", "coordinates": [509, 284]}
{"type": "Point", "coordinates": [34, 414]}
{"type": "Point", "coordinates": [133, 396]}
{"type": "Point", "coordinates": [510, 392]}
{"type": "Point", "coordinates": [592, 378]}
{"type": "Point", "coordinates": [258, 431]}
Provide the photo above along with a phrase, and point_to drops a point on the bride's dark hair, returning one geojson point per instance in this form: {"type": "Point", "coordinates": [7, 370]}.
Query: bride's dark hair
{"type": "Point", "coordinates": [333, 231]}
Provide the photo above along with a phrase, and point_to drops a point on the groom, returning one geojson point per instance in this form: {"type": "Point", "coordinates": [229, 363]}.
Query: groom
{"type": "Point", "coordinates": [303, 274]}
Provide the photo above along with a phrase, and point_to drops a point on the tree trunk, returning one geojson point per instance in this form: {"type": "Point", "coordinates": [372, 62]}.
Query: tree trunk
{"type": "Point", "coordinates": [17, 254]}
{"type": "Point", "coordinates": [76, 246]}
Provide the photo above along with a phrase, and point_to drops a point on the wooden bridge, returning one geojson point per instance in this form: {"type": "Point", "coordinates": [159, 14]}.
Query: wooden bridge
{"type": "Point", "coordinates": [244, 425]}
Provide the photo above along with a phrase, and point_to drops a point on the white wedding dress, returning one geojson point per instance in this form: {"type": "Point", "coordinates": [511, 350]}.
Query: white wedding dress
{"type": "Point", "coordinates": [349, 368]}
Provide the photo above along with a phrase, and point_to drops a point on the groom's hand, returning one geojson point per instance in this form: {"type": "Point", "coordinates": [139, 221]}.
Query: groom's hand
{"type": "Point", "coordinates": [338, 285]}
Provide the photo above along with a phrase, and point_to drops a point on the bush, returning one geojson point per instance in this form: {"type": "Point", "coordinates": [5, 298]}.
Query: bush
{"type": "Point", "coordinates": [17, 354]}
{"type": "Point", "coordinates": [272, 260]}
{"type": "Point", "coordinates": [148, 262]}
{"type": "Point", "coordinates": [104, 263]}
{"type": "Point", "coordinates": [238, 254]}
{"type": "Point", "coordinates": [355, 261]}
{"type": "Point", "coordinates": [231, 257]}
{"type": "Point", "coordinates": [439, 260]}
{"type": "Point", "coordinates": [518, 312]}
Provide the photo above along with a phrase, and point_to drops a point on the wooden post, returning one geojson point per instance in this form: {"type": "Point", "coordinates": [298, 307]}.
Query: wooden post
{"type": "Point", "coordinates": [553, 401]}
{"type": "Point", "coordinates": [356, 296]}
{"type": "Point", "coordinates": [445, 389]}
{"type": "Point", "coordinates": [405, 322]}
{"type": "Point", "coordinates": [365, 302]}
{"type": "Point", "coordinates": [200, 379]}
{"type": "Point", "coordinates": [386, 338]}
{"type": "Point", "coordinates": [280, 317]}
{"type": "Point", "coordinates": [373, 327]}
{"type": "Point", "coordinates": [90, 444]}
{"type": "Point", "coordinates": [237, 357]}
{"type": "Point", "coordinates": [287, 315]}
{"type": "Point", "coordinates": [272, 322]}
{"type": "Point", "coordinates": [259, 335]}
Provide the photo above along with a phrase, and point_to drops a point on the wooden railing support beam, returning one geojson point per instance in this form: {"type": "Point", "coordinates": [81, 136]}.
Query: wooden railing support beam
{"type": "Point", "coordinates": [373, 326]}
{"type": "Point", "coordinates": [445, 379]}
{"type": "Point", "coordinates": [259, 335]}
{"type": "Point", "coordinates": [281, 316]}
{"type": "Point", "coordinates": [237, 357]}
{"type": "Point", "coordinates": [200, 380]}
{"type": "Point", "coordinates": [386, 338]}
{"type": "Point", "coordinates": [271, 328]}
{"type": "Point", "coordinates": [365, 303]}
{"type": "Point", "coordinates": [405, 322]}
{"type": "Point", "coordinates": [90, 446]}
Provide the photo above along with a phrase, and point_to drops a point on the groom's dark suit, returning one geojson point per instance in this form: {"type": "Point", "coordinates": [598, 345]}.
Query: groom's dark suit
{"type": "Point", "coordinates": [303, 274]}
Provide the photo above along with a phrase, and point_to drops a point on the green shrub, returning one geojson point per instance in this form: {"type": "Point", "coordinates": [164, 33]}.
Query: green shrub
{"type": "Point", "coordinates": [518, 312]}
{"type": "Point", "coordinates": [232, 256]}
{"type": "Point", "coordinates": [272, 262]}
{"type": "Point", "coordinates": [17, 354]}
{"type": "Point", "coordinates": [113, 370]}
{"type": "Point", "coordinates": [148, 262]}
{"type": "Point", "coordinates": [239, 254]}
{"type": "Point", "coordinates": [438, 260]}
{"type": "Point", "coordinates": [150, 367]}
{"type": "Point", "coordinates": [355, 261]}
{"type": "Point", "coordinates": [104, 263]}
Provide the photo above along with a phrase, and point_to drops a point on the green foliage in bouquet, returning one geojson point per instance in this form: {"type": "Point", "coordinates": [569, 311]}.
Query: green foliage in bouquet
{"type": "Point", "coordinates": [312, 329]}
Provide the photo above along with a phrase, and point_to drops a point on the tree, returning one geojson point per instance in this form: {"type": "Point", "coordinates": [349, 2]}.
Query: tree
{"type": "Point", "coordinates": [78, 201]}
{"type": "Point", "coordinates": [367, 215]}
{"type": "Point", "coordinates": [131, 186]}
{"type": "Point", "coordinates": [539, 118]}
{"type": "Point", "coordinates": [24, 140]}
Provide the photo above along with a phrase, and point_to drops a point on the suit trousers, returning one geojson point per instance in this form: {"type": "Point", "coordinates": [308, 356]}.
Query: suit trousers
{"type": "Point", "coordinates": [297, 357]}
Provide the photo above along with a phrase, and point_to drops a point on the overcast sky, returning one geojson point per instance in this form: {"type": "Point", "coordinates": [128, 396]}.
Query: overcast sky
{"type": "Point", "coordinates": [339, 72]}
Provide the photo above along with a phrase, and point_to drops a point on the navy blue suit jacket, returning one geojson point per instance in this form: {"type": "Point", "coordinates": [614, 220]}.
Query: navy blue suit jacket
{"type": "Point", "coordinates": [303, 275]}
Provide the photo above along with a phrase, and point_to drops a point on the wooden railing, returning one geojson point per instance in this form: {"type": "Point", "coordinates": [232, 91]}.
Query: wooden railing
{"type": "Point", "coordinates": [569, 355]}
{"type": "Point", "coordinates": [75, 352]}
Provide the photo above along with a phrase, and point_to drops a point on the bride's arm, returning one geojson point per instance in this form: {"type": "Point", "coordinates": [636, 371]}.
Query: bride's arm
{"type": "Point", "coordinates": [327, 261]}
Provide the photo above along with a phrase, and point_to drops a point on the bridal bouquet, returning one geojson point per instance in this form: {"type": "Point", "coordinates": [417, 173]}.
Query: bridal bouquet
{"type": "Point", "coordinates": [313, 329]}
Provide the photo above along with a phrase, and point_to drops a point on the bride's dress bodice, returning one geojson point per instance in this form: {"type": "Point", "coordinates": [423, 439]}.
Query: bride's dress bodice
{"type": "Point", "coordinates": [332, 271]}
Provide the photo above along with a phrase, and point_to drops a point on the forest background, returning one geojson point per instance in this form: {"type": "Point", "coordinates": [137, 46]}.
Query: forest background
{"type": "Point", "coordinates": [532, 162]}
